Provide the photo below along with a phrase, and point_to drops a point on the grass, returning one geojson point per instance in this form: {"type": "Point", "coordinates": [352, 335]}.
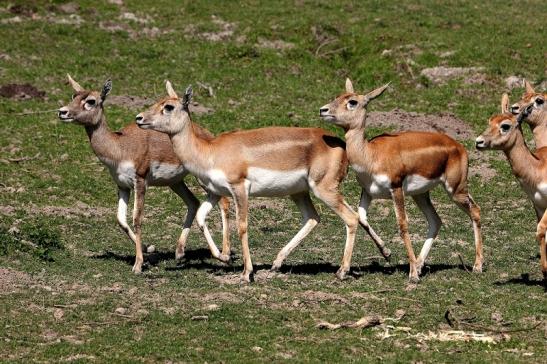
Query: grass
{"type": "Point", "coordinates": [84, 304]}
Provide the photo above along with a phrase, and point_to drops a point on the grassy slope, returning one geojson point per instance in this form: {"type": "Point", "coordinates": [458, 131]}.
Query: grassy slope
{"type": "Point", "coordinates": [92, 277]}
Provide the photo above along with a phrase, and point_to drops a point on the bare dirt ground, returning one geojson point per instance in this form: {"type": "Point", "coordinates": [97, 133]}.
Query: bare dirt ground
{"type": "Point", "coordinates": [404, 121]}
{"type": "Point", "coordinates": [21, 91]}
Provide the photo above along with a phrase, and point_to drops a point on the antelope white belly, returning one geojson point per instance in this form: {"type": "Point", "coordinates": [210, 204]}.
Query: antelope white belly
{"type": "Point", "coordinates": [164, 174]}
{"type": "Point", "coordinates": [379, 185]}
{"type": "Point", "coordinates": [266, 182]}
{"type": "Point", "coordinates": [416, 184]}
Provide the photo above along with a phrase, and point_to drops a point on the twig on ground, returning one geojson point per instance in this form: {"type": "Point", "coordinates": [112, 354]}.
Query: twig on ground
{"type": "Point", "coordinates": [23, 159]}
{"type": "Point", "coordinates": [463, 263]}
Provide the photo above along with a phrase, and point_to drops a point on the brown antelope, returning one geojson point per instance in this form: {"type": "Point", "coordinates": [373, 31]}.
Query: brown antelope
{"type": "Point", "coordinates": [270, 162]}
{"type": "Point", "coordinates": [537, 118]}
{"type": "Point", "coordinates": [136, 159]}
{"type": "Point", "coordinates": [504, 133]}
{"type": "Point", "coordinates": [399, 164]}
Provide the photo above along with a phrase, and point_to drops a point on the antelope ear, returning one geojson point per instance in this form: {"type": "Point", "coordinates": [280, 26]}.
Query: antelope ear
{"type": "Point", "coordinates": [170, 91]}
{"type": "Point", "coordinates": [529, 88]}
{"type": "Point", "coordinates": [349, 86]}
{"type": "Point", "coordinates": [375, 93]}
{"type": "Point", "coordinates": [504, 103]}
{"type": "Point", "coordinates": [187, 97]}
{"type": "Point", "coordinates": [107, 87]}
{"type": "Point", "coordinates": [75, 85]}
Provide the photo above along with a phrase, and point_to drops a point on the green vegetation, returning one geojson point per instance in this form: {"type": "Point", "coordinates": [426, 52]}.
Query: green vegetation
{"type": "Point", "coordinates": [70, 296]}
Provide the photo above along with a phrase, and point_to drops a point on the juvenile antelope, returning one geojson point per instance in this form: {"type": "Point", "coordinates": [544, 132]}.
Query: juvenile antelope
{"type": "Point", "coordinates": [271, 162]}
{"type": "Point", "coordinates": [537, 118]}
{"type": "Point", "coordinates": [399, 164]}
{"type": "Point", "coordinates": [136, 159]}
{"type": "Point", "coordinates": [504, 133]}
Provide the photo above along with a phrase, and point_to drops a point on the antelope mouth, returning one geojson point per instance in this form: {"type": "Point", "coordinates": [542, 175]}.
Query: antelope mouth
{"type": "Point", "coordinates": [66, 119]}
{"type": "Point", "coordinates": [327, 117]}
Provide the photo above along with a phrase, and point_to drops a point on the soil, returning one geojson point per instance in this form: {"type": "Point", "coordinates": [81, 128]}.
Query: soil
{"type": "Point", "coordinates": [441, 123]}
{"type": "Point", "coordinates": [441, 74]}
{"type": "Point", "coordinates": [21, 91]}
{"type": "Point", "coordinates": [12, 280]}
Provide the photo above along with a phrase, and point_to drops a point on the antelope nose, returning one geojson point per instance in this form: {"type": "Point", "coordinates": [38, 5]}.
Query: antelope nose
{"type": "Point", "coordinates": [515, 109]}
{"type": "Point", "coordinates": [63, 111]}
{"type": "Point", "coordinates": [139, 118]}
{"type": "Point", "coordinates": [479, 142]}
{"type": "Point", "coordinates": [323, 110]}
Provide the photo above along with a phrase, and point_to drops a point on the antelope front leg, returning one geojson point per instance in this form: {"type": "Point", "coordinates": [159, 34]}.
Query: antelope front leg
{"type": "Point", "coordinates": [399, 202]}
{"type": "Point", "coordinates": [540, 236]}
{"type": "Point", "coordinates": [310, 219]}
{"type": "Point", "coordinates": [138, 208]}
{"type": "Point", "coordinates": [202, 213]}
{"type": "Point", "coordinates": [241, 199]}
{"type": "Point", "coordinates": [192, 203]}
{"type": "Point", "coordinates": [224, 205]}
{"type": "Point", "coordinates": [123, 199]}
{"type": "Point", "coordinates": [364, 204]}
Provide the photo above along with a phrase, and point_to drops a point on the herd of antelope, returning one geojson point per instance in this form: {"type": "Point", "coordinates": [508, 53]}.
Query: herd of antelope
{"type": "Point", "coordinates": [165, 145]}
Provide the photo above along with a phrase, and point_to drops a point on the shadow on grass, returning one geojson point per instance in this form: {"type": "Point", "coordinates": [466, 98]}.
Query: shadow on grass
{"type": "Point", "coordinates": [525, 280]}
{"type": "Point", "coordinates": [201, 259]}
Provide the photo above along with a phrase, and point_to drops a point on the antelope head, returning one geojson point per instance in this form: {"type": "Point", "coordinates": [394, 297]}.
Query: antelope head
{"type": "Point", "coordinates": [86, 107]}
{"type": "Point", "coordinates": [348, 110]}
{"type": "Point", "coordinates": [169, 115]}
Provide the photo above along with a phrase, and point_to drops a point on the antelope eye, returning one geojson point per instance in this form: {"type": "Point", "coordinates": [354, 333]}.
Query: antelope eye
{"type": "Point", "coordinates": [505, 127]}
{"type": "Point", "coordinates": [90, 102]}
{"type": "Point", "coordinates": [168, 108]}
{"type": "Point", "coordinates": [353, 103]}
{"type": "Point", "coordinates": [540, 101]}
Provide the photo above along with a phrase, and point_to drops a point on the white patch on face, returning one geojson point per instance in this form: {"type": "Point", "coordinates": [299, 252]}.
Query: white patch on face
{"type": "Point", "coordinates": [265, 182]}
{"type": "Point", "coordinates": [164, 174]}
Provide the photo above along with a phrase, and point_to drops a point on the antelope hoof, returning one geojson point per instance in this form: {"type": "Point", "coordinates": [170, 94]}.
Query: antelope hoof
{"type": "Point", "coordinates": [477, 268]}
{"type": "Point", "coordinates": [276, 265]}
{"type": "Point", "coordinates": [247, 277]}
{"type": "Point", "coordinates": [413, 279]}
{"type": "Point", "coordinates": [386, 252]}
{"type": "Point", "coordinates": [419, 266]}
{"type": "Point", "coordinates": [179, 255]}
{"type": "Point", "coordinates": [341, 274]}
{"type": "Point", "coordinates": [137, 268]}
{"type": "Point", "coordinates": [225, 258]}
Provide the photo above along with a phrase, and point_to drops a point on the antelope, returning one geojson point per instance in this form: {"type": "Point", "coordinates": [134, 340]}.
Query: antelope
{"type": "Point", "coordinates": [391, 166]}
{"type": "Point", "coordinates": [537, 118]}
{"type": "Point", "coordinates": [504, 133]}
{"type": "Point", "coordinates": [136, 159]}
{"type": "Point", "coordinates": [268, 162]}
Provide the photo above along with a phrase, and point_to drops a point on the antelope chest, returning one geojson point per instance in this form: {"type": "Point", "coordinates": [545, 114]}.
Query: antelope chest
{"type": "Point", "coordinates": [123, 173]}
{"type": "Point", "coordinates": [379, 185]}
{"type": "Point", "coordinates": [538, 195]}
{"type": "Point", "coordinates": [162, 174]}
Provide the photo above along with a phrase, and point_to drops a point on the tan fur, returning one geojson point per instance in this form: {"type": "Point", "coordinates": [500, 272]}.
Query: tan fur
{"type": "Point", "coordinates": [537, 120]}
{"type": "Point", "coordinates": [529, 168]}
{"type": "Point", "coordinates": [391, 160]}
{"type": "Point", "coordinates": [144, 149]}
{"type": "Point", "coordinates": [233, 156]}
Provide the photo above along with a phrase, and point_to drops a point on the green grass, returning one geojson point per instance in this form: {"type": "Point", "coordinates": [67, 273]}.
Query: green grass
{"type": "Point", "coordinates": [55, 309]}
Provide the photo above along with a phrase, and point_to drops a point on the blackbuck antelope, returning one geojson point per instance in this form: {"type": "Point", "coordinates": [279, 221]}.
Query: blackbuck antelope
{"type": "Point", "coordinates": [504, 133]}
{"type": "Point", "coordinates": [537, 117]}
{"type": "Point", "coordinates": [270, 162]}
{"type": "Point", "coordinates": [399, 164]}
{"type": "Point", "coordinates": [136, 159]}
